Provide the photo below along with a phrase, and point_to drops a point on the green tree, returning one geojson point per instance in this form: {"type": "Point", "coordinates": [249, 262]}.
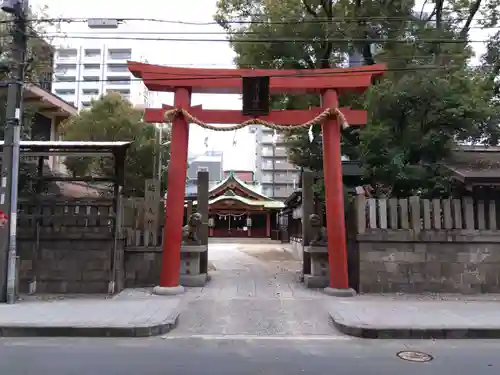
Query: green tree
{"type": "Point", "coordinates": [428, 105]}
{"type": "Point", "coordinates": [38, 65]}
{"type": "Point", "coordinates": [112, 119]}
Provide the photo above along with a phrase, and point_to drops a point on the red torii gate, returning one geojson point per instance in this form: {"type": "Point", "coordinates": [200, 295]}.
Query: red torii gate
{"type": "Point", "coordinates": [183, 82]}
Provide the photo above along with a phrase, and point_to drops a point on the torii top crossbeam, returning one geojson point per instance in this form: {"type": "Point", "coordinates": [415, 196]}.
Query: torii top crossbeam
{"type": "Point", "coordinates": [228, 81]}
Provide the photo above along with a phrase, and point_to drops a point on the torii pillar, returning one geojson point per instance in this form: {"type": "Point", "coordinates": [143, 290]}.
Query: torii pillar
{"type": "Point", "coordinates": [329, 83]}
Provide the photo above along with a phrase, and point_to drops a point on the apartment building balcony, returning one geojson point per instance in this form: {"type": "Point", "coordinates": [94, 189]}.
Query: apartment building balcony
{"type": "Point", "coordinates": [68, 68]}
{"type": "Point", "coordinates": [91, 69]}
{"type": "Point", "coordinates": [92, 55]}
{"type": "Point", "coordinates": [67, 54]}
{"type": "Point", "coordinates": [281, 180]}
{"type": "Point", "coordinates": [117, 81]}
{"type": "Point", "coordinates": [61, 79]}
{"type": "Point", "coordinates": [278, 167]}
{"type": "Point", "coordinates": [278, 152]}
{"type": "Point", "coordinates": [117, 69]}
{"type": "Point", "coordinates": [271, 139]}
{"type": "Point", "coordinates": [278, 192]}
{"type": "Point", "coordinates": [121, 55]}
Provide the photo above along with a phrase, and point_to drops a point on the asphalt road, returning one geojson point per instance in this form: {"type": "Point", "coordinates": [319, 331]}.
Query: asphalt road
{"type": "Point", "coordinates": [241, 355]}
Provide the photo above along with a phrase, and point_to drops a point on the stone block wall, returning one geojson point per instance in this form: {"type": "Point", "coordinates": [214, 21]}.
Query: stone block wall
{"type": "Point", "coordinates": [142, 267]}
{"type": "Point", "coordinates": [434, 261]}
{"type": "Point", "coordinates": [77, 262]}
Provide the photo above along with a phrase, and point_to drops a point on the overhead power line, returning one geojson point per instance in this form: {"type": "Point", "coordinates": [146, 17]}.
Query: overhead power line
{"type": "Point", "coordinates": [383, 59]}
{"type": "Point", "coordinates": [283, 21]}
{"type": "Point", "coordinates": [283, 40]}
{"type": "Point", "coordinates": [306, 73]}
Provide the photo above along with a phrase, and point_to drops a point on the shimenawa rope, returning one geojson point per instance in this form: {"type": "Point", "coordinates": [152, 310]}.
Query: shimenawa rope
{"type": "Point", "coordinates": [318, 120]}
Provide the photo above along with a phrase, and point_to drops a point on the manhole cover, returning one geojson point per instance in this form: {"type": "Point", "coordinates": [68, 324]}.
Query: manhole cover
{"type": "Point", "coordinates": [415, 356]}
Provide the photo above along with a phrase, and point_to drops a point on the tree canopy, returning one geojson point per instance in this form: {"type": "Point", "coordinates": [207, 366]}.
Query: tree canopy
{"type": "Point", "coordinates": [110, 118]}
{"type": "Point", "coordinates": [430, 97]}
{"type": "Point", "coordinates": [38, 65]}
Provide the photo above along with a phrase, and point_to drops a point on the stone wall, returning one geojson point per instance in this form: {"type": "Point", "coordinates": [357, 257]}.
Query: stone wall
{"type": "Point", "coordinates": [142, 267]}
{"type": "Point", "coordinates": [416, 245]}
{"type": "Point", "coordinates": [77, 262]}
{"type": "Point", "coordinates": [429, 262]}
{"type": "Point", "coordinates": [68, 246]}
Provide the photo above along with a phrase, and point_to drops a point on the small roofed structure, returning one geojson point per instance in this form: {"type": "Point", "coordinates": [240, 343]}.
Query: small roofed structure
{"type": "Point", "coordinates": [48, 104]}
{"type": "Point", "coordinates": [41, 150]}
{"type": "Point", "coordinates": [475, 166]}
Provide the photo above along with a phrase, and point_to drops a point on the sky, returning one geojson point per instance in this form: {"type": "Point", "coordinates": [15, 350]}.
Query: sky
{"type": "Point", "coordinates": [187, 54]}
{"type": "Point", "coordinates": [239, 146]}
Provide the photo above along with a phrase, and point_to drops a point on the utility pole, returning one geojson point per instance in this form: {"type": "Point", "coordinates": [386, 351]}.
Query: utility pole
{"type": "Point", "coordinates": [11, 150]}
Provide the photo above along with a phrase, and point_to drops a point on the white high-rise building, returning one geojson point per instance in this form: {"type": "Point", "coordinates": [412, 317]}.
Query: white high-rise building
{"type": "Point", "coordinates": [84, 73]}
{"type": "Point", "coordinates": [278, 177]}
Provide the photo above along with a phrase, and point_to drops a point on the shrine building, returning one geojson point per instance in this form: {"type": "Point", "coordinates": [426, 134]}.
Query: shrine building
{"type": "Point", "coordinates": [239, 209]}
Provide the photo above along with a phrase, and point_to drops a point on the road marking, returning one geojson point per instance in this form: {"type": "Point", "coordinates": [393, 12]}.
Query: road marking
{"type": "Point", "coordinates": [261, 338]}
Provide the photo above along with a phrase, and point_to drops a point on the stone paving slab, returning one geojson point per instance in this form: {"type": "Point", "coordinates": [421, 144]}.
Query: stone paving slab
{"type": "Point", "coordinates": [414, 317]}
{"type": "Point", "coordinates": [90, 318]}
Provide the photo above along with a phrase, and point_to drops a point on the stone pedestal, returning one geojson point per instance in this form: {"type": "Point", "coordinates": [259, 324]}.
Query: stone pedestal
{"type": "Point", "coordinates": [192, 272]}
{"type": "Point", "coordinates": [319, 270]}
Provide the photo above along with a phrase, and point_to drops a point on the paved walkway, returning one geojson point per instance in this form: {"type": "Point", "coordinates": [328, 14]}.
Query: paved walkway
{"type": "Point", "coordinates": [250, 296]}
{"type": "Point", "coordinates": [90, 317]}
{"type": "Point", "coordinates": [414, 316]}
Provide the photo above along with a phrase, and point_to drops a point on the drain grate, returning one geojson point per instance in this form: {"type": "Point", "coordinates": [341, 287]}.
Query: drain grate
{"type": "Point", "coordinates": [413, 356]}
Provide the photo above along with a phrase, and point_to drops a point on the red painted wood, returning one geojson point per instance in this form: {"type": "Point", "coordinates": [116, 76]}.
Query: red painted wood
{"type": "Point", "coordinates": [268, 224]}
{"type": "Point", "coordinates": [285, 117]}
{"type": "Point", "coordinates": [177, 170]}
{"type": "Point", "coordinates": [228, 81]}
{"type": "Point", "coordinates": [334, 198]}
{"type": "Point", "coordinates": [328, 82]}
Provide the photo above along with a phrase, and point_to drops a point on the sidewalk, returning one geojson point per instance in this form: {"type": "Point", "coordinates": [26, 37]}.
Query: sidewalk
{"type": "Point", "coordinates": [139, 316]}
{"type": "Point", "coordinates": [439, 317]}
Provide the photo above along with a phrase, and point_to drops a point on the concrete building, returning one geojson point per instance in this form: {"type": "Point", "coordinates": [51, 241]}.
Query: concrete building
{"type": "Point", "coordinates": [210, 161]}
{"type": "Point", "coordinates": [87, 72]}
{"type": "Point", "coordinates": [278, 177]}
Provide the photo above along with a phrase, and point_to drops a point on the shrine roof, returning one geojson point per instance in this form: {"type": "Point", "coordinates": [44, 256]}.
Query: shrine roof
{"type": "Point", "coordinates": [249, 202]}
{"type": "Point", "coordinates": [232, 177]}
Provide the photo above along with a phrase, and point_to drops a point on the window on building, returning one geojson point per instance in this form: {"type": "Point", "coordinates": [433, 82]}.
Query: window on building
{"type": "Point", "coordinates": [63, 68]}
{"type": "Point", "coordinates": [118, 80]}
{"type": "Point", "coordinates": [91, 78]}
{"type": "Point", "coordinates": [202, 169]}
{"type": "Point", "coordinates": [63, 78]}
{"type": "Point", "coordinates": [117, 68]}
{"type": "Point", "coordinates": [90, 91]}
{"type": "Point", "coordinates": [119, 91]}
{"type": "Point", "coordinates": [67, 53]}
{"type": "Point", "coordinates": [91, 66]}
{"type": "Point", "coordinates": [85, 104]}
{"type": "Point", "coordinates": [61, 92]}
{"type": "Point", "coordinates": [119, 54]}
{"type": "Point", "coordinates": [92, 52]}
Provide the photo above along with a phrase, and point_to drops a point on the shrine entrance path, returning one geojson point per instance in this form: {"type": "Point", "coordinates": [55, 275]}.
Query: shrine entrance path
{"type": "Point", "coordinates": [254, 291]}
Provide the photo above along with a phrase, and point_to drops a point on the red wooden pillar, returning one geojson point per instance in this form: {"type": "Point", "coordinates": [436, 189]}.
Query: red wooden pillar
{"type": "Point", "coordinates": [334, 197]}
{"type": "Point", "coordinates": [268, 224]}
{"type": "Point", "coordinates": [177, 170]}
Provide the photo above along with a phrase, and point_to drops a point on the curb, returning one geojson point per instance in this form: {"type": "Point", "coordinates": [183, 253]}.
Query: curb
{"type": "Point", "coordinates": [75, 331]}
{"type": "Point", "coordinates": [414, 333]}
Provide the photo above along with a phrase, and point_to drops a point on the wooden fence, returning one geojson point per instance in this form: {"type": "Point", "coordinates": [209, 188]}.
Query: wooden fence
{"type": "Point", "coordinates": [418, 214]}
{"type": "Point", "coordinates": [65, 215]}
